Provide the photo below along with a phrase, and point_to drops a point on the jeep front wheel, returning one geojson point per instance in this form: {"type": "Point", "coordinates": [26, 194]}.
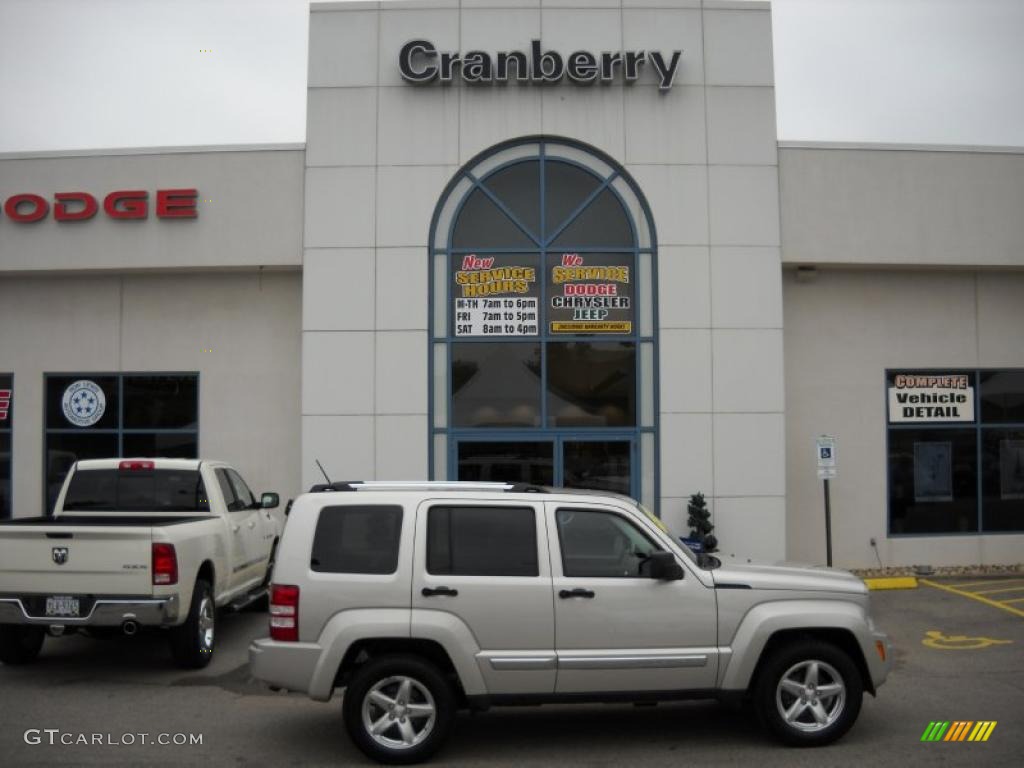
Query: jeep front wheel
{"type": "Point", "coordinates": [808, 694]}
{"type": "Point", "coordinates": [398, 709]}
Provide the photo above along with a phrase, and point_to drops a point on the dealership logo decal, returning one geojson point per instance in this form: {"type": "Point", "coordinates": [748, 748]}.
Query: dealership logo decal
{"type": "Point", "coordinates": [420, 63]}
{"type": "Point", "coordinates": [958, 730]}
{"type": "Point", "coordinates": [5, 403]}
{"type": "Point", "coordinates": [84, 403]}
{"type": "Point", "coordinates": [60, 555]}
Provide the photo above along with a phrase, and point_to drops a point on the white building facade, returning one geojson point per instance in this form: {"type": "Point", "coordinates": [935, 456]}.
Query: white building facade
{"type": "Point", "coordinates": [543, 242]}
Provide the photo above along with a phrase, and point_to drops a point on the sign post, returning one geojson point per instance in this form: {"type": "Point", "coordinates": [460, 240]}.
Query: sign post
{"type": "Point", "coordinates": [826, 446]}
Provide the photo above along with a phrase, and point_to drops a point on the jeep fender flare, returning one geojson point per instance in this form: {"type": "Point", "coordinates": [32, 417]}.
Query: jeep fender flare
{"type": "Point", "coordinates": [452, 634]}
{"type": "Point", "coordinates": [764, 620]}
{"type": "Point", "coordinates": [345, 628]}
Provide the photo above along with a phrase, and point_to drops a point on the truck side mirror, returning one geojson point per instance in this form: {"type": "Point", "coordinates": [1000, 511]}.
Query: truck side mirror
{"type": "Point", "coordinates": [663, 566]}
{"type": "Point", "coordinates": [270, 501]}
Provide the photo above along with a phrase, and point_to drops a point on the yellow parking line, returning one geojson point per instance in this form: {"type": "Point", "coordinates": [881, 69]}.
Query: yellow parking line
{"type": "Point", "coordinates": [997, 591]}
{"type": "Point", "coordinates": [986, 583]}
{"type": "Point", "coordinates": [1015, 600]}
{"type": "Point", "coordinates": [972, 596]}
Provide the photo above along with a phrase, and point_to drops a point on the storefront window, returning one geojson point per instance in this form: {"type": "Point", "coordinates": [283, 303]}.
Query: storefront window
{"type": "Point", "coordinates": [543, 359]}
{"type": "Point", "coordinates": [100, 416]}
{"type": "Point", "coordinates": [6, 421]}
{"type": "Point", "coordinates": [956, 451]}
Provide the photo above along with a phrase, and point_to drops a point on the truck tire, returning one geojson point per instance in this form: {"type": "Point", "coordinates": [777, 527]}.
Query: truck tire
{"type": "Point", "coordinates": [20, 645]}
{"type": "Point", "coordinates": [808, 693]}
{"type": "Point", "coordinates": [192, 643]}
{"type": "Point", "coordinates": [398, 709]}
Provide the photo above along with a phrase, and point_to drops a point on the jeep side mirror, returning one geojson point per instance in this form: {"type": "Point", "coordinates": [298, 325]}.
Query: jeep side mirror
{"type": "Point", "coordinates": [663, 566]}
{"type": "Point", "coordinates": [270, 501]}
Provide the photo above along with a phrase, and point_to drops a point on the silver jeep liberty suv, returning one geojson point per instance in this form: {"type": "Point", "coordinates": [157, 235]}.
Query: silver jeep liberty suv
{"type": "Point", "coordinates": [420, 599]}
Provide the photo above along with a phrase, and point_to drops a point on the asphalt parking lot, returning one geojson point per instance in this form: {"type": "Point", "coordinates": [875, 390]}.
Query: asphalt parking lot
{"type": "Point", "coordinates": [971, 669]}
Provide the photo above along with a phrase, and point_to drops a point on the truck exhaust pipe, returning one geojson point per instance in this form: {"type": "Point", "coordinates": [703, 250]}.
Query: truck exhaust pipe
{"type": "Point", "coordinates": [130, 628]}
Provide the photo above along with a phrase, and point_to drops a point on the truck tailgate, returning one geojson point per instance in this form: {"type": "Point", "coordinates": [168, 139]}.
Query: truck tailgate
{"type": "Point", "coordinates": [69, 559]}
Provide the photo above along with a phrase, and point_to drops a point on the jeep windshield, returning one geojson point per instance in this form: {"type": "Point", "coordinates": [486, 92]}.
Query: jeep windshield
{"type": "Point", "coordinates": [702, 560]}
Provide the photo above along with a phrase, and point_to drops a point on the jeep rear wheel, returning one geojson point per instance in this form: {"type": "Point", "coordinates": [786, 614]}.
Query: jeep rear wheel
{"type": "Point", "coordinates": [20, 645]}
{"type": "Point", "coordinates": [809, 693]}
{"type": "Point", "coordinates": [398, 709]}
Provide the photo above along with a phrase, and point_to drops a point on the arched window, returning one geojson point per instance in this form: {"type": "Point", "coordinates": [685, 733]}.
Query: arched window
{"type": "Point", "coordinates": [543, 333]}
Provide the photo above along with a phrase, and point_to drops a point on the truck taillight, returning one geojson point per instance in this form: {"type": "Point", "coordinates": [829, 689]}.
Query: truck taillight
{"type": "Point", "coordinates": [165, 564]}
{"type": "Point", "coordinates": [284, 613]}
{"type": "Point", "coordinates": [137, 466]}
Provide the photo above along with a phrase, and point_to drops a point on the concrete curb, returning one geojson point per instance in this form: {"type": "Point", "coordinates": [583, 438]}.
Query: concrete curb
{"type": "Point", "coordinates": [892, 582]}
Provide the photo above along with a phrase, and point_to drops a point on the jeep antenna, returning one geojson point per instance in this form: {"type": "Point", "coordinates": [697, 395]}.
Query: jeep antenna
{"type": "Point", "coordinates": [323, 471]}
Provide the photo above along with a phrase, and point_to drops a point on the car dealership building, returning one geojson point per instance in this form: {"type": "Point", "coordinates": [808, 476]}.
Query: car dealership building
{"type": "Point", "coordinates": [544, 241]}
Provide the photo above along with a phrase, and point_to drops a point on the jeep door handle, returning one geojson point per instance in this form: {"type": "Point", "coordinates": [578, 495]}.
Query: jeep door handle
{"type": "Point", "coordinates": [567, 593]}
{"type": "Point", "coordinates": [234, 529]}
{"type": "Point", "coordinates": [252, 523]}
{"type": "Point", "coordinates": [434, 591]}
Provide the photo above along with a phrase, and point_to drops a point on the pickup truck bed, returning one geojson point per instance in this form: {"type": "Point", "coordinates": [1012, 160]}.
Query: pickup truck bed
{"type": "Point", "coordinates": [121, 520]}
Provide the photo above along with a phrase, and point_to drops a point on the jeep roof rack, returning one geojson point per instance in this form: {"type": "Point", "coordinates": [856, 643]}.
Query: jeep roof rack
{"type": "Point", "coordinates": [527, 488]}
{"type": "Point", "coordinates": [412, 485]}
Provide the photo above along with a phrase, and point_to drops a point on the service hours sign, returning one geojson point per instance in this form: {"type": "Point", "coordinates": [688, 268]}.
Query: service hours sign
{"type": "Point", "coordinates": [496, 296]}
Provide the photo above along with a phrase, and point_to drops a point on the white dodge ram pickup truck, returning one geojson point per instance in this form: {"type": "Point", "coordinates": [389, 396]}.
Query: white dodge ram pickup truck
{"type": "Point", "coordinates": [136, 543]}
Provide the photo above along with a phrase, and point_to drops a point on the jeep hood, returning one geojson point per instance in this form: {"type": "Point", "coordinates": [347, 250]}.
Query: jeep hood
{"type": "Point", "coordinates": [791, 577]}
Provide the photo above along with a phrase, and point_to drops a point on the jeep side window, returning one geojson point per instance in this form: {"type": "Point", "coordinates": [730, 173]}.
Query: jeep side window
{"type": "Point", "coordinates": [601, 545]}
{"type": "Point", "coordinates": [357, 539]}
{"type": "Point", "coordinates": [482, 541]}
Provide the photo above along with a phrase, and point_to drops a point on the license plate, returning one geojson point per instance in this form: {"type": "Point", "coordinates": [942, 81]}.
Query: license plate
{"type": "Point", "coordinates": [62, 605]}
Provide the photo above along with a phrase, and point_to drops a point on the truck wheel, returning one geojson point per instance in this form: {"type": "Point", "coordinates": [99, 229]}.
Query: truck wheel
{"type": "Point", "coordinates": [192, 643]}
{"type": "Point", "coordinates": [20, 645]}
{"type": "Point", "coordinates": [398, 709]}
{"type": "Point", "coordinates": [808, 693]}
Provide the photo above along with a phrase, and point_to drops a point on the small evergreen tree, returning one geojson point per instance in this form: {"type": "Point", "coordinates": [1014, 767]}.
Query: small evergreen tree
{"type": "Point", "coordinates": [700, 522]}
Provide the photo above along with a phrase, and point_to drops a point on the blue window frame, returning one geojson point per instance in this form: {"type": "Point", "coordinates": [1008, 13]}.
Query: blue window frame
{"type": "Point", "coordinates": [110, 415]}
{"type": "Point", "coordinates": [543, 335]}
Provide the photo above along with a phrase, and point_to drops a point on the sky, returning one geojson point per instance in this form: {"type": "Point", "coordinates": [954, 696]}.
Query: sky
{"type": "Point", "coordinates": [88, 74]}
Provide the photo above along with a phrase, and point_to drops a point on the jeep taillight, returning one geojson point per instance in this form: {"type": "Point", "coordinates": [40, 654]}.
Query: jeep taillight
{"type": "Point", "coordinates": [284, 612]}
{"type": "Point", "coordinates": [165, 564]}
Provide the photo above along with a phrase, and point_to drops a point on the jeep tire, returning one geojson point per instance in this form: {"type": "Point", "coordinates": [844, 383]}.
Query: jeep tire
{"type": "Point", "coordinates": [398, 709]}
{"type": "Point", "coordinates": [808, 693]}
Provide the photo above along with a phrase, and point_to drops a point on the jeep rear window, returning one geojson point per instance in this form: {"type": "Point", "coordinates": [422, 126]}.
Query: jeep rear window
{"type": "Point", "coordinates": [357, 539]}
{"type": "Point", "coordinates": [482, 541]}
{"type": "Point", "coordinates": [158, 490]}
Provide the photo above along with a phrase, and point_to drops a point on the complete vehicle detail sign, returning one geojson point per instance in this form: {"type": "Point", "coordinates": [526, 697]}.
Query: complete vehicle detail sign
{"type": "Point", "coordinates": [926, 398]}
{"type": "Point", "coordinates": [420, 63]}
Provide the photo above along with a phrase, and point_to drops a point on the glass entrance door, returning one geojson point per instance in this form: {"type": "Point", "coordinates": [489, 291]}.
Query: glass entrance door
{"type": "Point", "coordinates": [573, 461]}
